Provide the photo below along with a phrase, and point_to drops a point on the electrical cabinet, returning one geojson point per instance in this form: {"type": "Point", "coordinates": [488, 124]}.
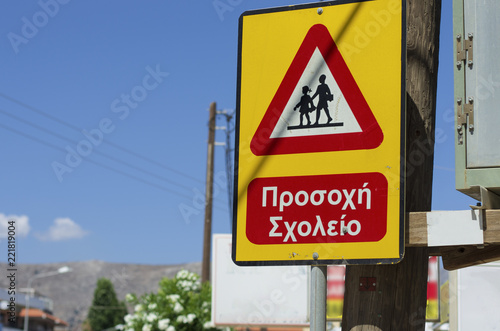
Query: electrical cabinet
{"type": "Point", "coordinates": [476, 27]}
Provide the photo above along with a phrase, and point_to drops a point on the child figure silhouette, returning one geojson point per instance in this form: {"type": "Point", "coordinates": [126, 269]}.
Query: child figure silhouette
{"type": "Point", "coordinates": [306, 105]}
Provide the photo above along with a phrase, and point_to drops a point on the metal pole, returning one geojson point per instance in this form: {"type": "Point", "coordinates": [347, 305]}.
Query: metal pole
{"type": "Point", "coordinates": [318, 298]}
{"type": "Point", "coordinates": [27, 308]}
{"type": "Point", "coordinates": [207, 234]}
{"type": "Point", "coordinates": [30, 289]}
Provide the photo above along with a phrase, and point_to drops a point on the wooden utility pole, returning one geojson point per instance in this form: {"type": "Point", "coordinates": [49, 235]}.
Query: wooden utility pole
{"type": "Point", "coordinates": [399, 300]}
{"type": "Point", "coordinates": [207, 233]}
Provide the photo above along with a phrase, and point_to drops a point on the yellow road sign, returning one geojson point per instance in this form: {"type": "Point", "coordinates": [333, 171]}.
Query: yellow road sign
{"type": "Point", "coordinates": [320, 134]}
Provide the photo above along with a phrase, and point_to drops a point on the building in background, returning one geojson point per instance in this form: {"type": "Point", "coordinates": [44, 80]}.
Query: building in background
{"type": "Point", "coordinates": [41, 317]}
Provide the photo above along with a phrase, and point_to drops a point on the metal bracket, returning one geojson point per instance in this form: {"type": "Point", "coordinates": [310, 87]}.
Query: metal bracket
{"type": "Point", "coordinates": [489, 200]}
{"type": "Point", "coordinates": [464, 111]}
{"type": "Point", "coordinates": [464, 52]}
{"type": "Point", "coordinates": [367, 284]}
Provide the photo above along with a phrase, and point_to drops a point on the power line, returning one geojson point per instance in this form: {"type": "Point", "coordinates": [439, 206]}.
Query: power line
{"type": "Point", "coordinates": [75, 128]}
{"type": "Point", "coordinates": [94, 151]}
{"type": "Point", "coordinates": [91, 161]}
{"type": "Point", "coordinates": [47, 144]}
{"type": "Point", "coordinates": [108, 307]}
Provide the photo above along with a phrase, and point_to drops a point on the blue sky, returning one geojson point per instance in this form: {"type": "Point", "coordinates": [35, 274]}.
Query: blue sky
{"type": "Point", "coordinates": [127, 84]}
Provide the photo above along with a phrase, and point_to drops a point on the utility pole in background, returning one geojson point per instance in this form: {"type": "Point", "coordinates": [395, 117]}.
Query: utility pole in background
{"type": "Point", "coordinates": [399, 299]}
{"type": "Point", "coordinates": [207, 233]}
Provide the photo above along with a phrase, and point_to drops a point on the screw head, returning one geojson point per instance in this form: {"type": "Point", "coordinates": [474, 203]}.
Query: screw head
{"type": "Point", "coordinates": [315, 256]}
{"type": "Point", "coordinates": [320, 11]}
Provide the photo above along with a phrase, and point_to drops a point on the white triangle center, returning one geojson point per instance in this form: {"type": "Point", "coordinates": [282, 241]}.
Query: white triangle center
{"type": "Point", "coordinates": [342, 117]}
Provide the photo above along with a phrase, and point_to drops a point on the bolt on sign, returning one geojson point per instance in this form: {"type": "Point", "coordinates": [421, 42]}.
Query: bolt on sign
{"type": "Point", "coordinates": [319, 165]}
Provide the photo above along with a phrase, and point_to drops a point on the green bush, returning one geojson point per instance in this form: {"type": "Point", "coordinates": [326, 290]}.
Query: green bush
{"type": "Point", "coordinates": [182, 303]}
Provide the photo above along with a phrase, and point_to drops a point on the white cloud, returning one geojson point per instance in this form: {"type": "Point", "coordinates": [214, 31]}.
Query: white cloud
{"type": "Point", "coordinates": [63, 229]}
{"type": "Point", "coordinates": [21, 224]}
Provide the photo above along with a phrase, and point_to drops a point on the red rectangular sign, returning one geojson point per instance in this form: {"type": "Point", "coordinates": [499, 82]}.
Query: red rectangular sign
{"type": "Point", "coordinates": [339, 208]}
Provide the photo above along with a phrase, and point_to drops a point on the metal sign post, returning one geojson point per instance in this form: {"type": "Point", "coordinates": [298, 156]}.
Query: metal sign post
{"type": "Point", "coordinates": [318, 298]}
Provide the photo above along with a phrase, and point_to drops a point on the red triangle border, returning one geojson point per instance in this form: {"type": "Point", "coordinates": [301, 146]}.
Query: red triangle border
{"type": "Point", "coordinates": [371, 135]}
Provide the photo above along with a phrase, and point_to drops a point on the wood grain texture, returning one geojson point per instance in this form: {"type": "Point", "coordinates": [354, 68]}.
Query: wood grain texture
{"type": "Point", "coordinates": [416, 228]}
{"type": "Point", "coordinates": [457, 257]}
{"type": "Point", "coordinates": [400, 298]}
{"type": "Point", "coordinates": [492, 231]}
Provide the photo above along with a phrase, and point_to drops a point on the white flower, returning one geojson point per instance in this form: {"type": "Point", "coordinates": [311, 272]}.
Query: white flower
{"type": "Point", "coordinates": [188, 285]}
{"type": "Point", "coordinates": [190, 318]}
{"type": "Point", "coordinates": [186, 319]}
{"type": "Point", "coordinates": [119, 327]}
{"type": "Point", "coordinates": [181, 284]}
{"type": "Point", "coordinates": [205, 304]}
{"type": "Point", "coordinates": [178, 307]}
{"type": "Point", "coordinates": [170, 328]}
{"type": "Point", "coordinates": [163, 324]}
{"type": "Point", "coordinates": [196, 285]}
{"type": "Point", "coordinates": [131, 329]}
{"type": "Point", "coordinates": [208, 325]}
{"type": "Point", "coordinates": [129, 297]}
{"type": "Point", "coordinates": [138, 307]}
{"type": "Point", "coordinates": [173, 297]}
{"type": "Point", "coordinates": [182, 274]}
{"type": "Point", "coordinates": [146, 327]}
{"type": "Point", "coordinates": [152, 306]}
{"type": "Point", "coordinates": [128, 318]}
{"type": "Point", "coordinates": [151, 317]}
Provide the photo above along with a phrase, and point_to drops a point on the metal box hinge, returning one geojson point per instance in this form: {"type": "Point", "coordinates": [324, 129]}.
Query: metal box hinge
{"type": "Point", "coordinates": [464, 51]}
{"type": "Point", "coordinates": [464, 111]}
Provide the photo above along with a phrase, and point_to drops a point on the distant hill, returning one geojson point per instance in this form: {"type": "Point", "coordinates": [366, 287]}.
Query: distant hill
{"type": "Point", "coordinates": [72, 292]}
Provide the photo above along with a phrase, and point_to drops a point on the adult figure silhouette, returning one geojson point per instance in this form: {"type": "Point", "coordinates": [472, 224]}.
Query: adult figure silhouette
{"type": "Point", "coordinates": [324, 94]}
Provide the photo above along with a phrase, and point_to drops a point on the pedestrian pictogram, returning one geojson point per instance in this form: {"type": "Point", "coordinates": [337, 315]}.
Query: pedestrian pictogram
{"type": "Point", "coordinates": [335, 117]}
{"type": "Point", "coordinates": [307, 106]}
